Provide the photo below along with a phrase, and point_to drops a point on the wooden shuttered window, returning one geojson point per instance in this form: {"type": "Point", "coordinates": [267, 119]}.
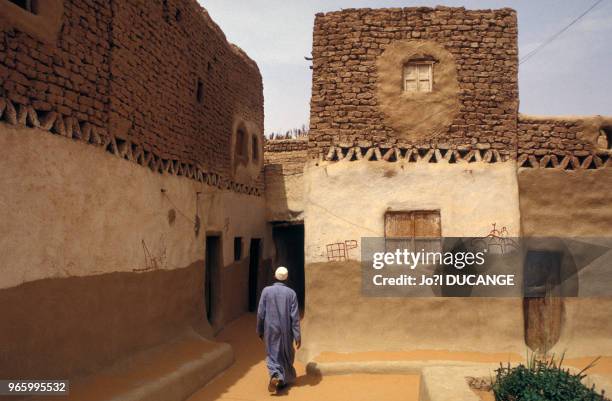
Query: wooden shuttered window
{"type": "Point", "coordinates": [413, 230]}
{"type": "Point", "coordinates": [419, 223]}
{"type": "Point", "coordinates": [418, 77]}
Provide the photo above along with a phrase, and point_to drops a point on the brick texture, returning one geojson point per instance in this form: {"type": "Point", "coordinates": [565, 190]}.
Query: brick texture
{"type": "Point", "coordinates": [552, 136]}
{"type": "Point", "coordinates": [344, 107]}
{"type": "Point", "coordinates": [285, 157]}
{"type": "Point", "coordinates": [132, 69]}
{"type": "Point", "coordinates": [72, 77]}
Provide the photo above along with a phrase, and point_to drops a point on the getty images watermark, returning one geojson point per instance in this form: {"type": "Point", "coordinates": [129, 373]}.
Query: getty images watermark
{"type": "Point", "coordinates": [485, 267]}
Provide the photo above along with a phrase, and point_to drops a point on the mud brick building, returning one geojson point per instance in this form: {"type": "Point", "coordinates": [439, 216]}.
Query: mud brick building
{"type": "Point", "coordinates": [415, 131]}
{"type": "Point", "coordinates": [141, 204]}
{"type": "Point", "coordinates": [132, 179]}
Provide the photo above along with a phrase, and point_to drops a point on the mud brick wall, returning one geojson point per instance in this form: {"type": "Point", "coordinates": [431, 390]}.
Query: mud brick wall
{"type": "Point", "coordinates": [346, 45]}
{"type": "Point", "coordinates": [564, 142]}
{"type": "Point", "coordinates": [285, 157]}
{"type": "Point", "coordinates": [284, 145]}
{"type": "Point", "coordinates": [161, 51]}
{"type": "Point", "coordinates": [70, 77]}
{"type": "Point", "coordinates": [284, 161]}
{"type": "Point", "coordinates": [554, 136]}
{"type": "Point", "coordinates": [130, 70]}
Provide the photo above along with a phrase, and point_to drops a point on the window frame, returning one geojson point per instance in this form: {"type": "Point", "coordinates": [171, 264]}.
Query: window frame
{"type": "Point", "coordinates": [416, 64]}
{"type": "Point", "coordinates": [410, 241]}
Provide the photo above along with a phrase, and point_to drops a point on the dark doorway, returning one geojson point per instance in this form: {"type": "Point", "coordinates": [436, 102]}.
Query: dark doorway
{"type": "Point", "coordinates": [211, 284]}
{"type": "Point", "coordinates": [543, 304]}
{"type": "Point", "coordinates": [253, 272]}
{"type": "Point", "coordinates": [289, 243]}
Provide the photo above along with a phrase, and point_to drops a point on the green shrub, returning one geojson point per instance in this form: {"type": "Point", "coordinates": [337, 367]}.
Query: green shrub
{"type": "Point", "coordinates": [543, 380]}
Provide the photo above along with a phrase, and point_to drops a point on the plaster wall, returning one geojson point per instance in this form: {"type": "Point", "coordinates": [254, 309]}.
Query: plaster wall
{"type": "Point", "coordinates": [347, 200]}
{"type": "Point", "coordinates": [91, 212]}
{"type": "Point", "coordinates": [99, 259]}
{"type": "Point", "coordinates": [285, 185]}
{"type": "Point", "coordinates": [339, 319]}
{"type": "Point", "coordinates": [568, 204]}
{"type": "Point", "coordinates": [562, 203]}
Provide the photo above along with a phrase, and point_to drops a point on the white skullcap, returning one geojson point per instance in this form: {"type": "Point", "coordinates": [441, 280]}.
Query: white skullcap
{"type": "Point", "coordinates": [281, 273]}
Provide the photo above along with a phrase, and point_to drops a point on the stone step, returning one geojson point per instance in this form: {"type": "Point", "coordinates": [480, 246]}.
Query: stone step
{"type": "Point", "coordinates": [170, 372]}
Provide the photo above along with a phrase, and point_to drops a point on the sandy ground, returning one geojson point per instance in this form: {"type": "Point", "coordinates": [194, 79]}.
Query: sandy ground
{"type": "Point", "coordinates": [247, 378]}
{"type": "Point", "coordinates": [136, 371]}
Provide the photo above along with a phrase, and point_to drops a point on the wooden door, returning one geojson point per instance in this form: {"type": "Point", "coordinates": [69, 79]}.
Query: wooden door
{"type": "Point", "coordinates": [542, 305]}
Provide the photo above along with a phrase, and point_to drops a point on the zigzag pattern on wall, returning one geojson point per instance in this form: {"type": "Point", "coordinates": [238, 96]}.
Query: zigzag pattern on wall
{"type": "Point", "coordinates": [566, 162]}
{"type": "Point", "coordinates": [394, 154]}
{"type": "Point", "coordinates": [70, 127]}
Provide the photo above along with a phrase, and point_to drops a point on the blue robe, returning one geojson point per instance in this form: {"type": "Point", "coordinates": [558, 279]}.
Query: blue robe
{"type": "Point", "coordinates": [278, 320]}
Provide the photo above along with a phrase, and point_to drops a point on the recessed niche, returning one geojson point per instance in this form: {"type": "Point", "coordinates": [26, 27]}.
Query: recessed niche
{"type": "Point", "coordinates": [200, 91]}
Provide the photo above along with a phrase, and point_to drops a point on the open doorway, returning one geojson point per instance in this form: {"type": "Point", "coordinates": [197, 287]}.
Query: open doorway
{"type": "Point", "coordinates": [212, 279]}
{"type": "Point", "coordinates": [253, 272]}
{"type": "Point", "coordinates": [289, 243]}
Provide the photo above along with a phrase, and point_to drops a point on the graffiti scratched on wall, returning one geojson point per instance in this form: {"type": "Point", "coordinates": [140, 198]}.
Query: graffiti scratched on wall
{"type": "Point", "coordinates": [339, 251]}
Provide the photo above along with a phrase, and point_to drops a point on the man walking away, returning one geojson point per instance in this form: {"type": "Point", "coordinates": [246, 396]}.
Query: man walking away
{"type": "Point", "coordinates": [278, 325]}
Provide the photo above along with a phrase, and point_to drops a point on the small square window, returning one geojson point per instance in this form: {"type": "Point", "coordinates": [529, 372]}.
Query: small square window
{"type": "Point", "coordinates": [237, 248]}
{"type": "Point", "coordinates": [418, 77]}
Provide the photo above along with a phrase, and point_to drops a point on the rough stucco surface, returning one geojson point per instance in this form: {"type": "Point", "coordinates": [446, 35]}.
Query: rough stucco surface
{"type": "Point", "coordinates": [566, 203]}
{"type": "Point", "coordinates": [347, 200]}
{"type": "Point", "coordinates": [113, 205]}
{"type": "Point", "coordinates": [346, 106]}
{"type": "Point", "coordinates": [284, 168]}
{"type": "Point", "coordinates": [586, 327]}
{"type": "Point", "coordinates": [89, 322]}
{"type": "Point", "coordinates": [573, 204]}
{"type": "Point", "coordinates": [334, 321]}
{"type": "Point", "coordinates": [400, 107]}
{"type": "Point", "coordinates": [74, 264]}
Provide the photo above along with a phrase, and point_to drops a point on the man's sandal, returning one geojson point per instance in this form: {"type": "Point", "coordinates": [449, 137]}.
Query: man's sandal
{"type": "Point", "coordinates": [274, 384]}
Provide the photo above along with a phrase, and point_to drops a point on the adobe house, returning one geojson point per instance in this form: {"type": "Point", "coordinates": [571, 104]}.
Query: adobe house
{"type": "Point", "coordinates": [415, 131]}
{"type": "Point", "coordinates": [136, 208]}
{"type": "Point", "coordinates": [131, 159]}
